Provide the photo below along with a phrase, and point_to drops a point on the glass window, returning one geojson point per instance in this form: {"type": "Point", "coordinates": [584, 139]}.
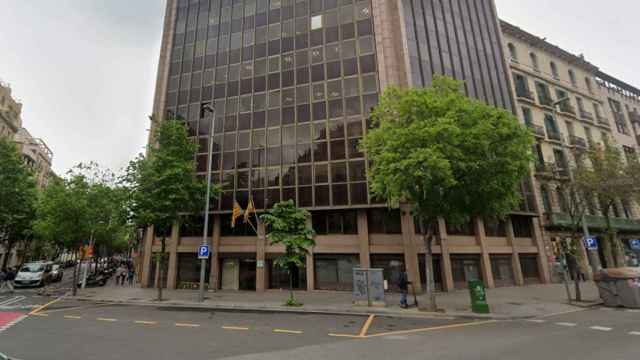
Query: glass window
{"type": "Point", "coordinates": [316, 22]}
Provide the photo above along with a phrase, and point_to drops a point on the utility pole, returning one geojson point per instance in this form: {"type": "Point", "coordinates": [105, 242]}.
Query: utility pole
{"type": "Point", "coordinates": [203, 264]}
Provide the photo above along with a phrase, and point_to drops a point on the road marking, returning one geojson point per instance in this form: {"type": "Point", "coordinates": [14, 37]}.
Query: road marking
{"type": "Point", "coordinates": [144, 322]}
{"type": "Point", "coordinates": [347, 336]}
{"type": "Point", "coordinates": [633, 310]}
{"type": "Point", "coordinates": [537, 321]}
{"type": "Point", "coordinates": [12, 300]}
{"type": "Point", "coordinates": [563, 313]}
{"type": "Point", "coordinates": [284, 331]}
{"type": "Point", "coordinates": [566, 324]}
{"type": "Point", "coordinates": [454, 326]}
{"type": "Point", "coordinates": [187, 325]}
{"type": "Point", "coordinates": [14, 317]}
{"type": "Point", "coordinates": [72, 317]}
{"type": "Point", "coordinates": [637, 333]}
{"type": "Point", "coordinates": [235, 328]}
{"type": "Point", "coordinates": [41, 315]}
{"type": "Point", "coordinates": [106, 319]}
{"type": "Point", "coordinates": [366, 325]}
{"type": "Point", "coordinates": [37, 310]}
{"type": "Point", "coordinates": [600, 328]}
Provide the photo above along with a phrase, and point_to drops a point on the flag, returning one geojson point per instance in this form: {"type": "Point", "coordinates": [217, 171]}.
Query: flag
{"type": "Point", "coordinates": [237, 211]}
{"type": "Point", "coordinates": [250, 209]}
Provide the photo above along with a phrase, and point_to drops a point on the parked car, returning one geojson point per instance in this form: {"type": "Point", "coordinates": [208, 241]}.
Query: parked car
{"type": "Point", "coordinates": [33, 274]}
{"type": "Point", "coordinates": [57, 272]}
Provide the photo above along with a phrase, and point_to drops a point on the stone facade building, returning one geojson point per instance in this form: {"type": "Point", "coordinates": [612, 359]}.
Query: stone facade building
{"type": "Point", "coordinates": [10, 112]}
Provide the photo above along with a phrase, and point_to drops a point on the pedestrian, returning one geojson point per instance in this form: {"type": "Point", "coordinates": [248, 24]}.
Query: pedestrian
{"type": "Point", "coordinates": [123, 274]}
{"type": "Point", "coordinates": [118, 275]}
{"type": "Point", "coordinates": [403, 284]}
{"type": "Point", "coordinates": [3, 279]}
{"type": "Point", "coordinates": [130, 276]}
{"type": "Point", "coordinates": [10, 277]}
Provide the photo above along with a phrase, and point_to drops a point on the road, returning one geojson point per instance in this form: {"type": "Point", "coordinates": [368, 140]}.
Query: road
{"type": "Point", "coordinates": [75, 330]}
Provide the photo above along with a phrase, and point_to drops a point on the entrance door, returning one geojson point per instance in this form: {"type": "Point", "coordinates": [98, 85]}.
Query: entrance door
{"type": "Point", "coordinates": [465, 268]}
{"type": "Point", "coordinates": [247, 274]}
{"type": "Point", "coordinates": [230, 274]}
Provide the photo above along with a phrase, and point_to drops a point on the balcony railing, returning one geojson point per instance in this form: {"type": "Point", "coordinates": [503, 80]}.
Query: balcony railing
{"type": "Point", "coordinates": [602, 120]}
{"type": "Point", "coordinates": [524, 94]}
{"type": "Point", "coordinates": [536, 130]}
{"type": "Point", "coordinates": [593, 222]}
{"type": "Point", "coordinates": [634, 116]}
{"type": "Point", "coordinates": [619, 117]}
{"type": "Point", "coordinates": [578, 141]}
{"type": "Point", "coordinates": [565, 107]}
{"type": "Point", "coordinates": [554, 136]}
{"type": "Point", "coordinates": [586, 115]}
{"type": "Point", "coordinates": [544, 168]}
{"type": "Point", "coordinates": [560, 171]}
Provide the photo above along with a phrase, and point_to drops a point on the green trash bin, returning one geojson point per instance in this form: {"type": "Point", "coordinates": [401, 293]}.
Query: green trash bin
{"type": "Point", "coordinates": [478, 294]}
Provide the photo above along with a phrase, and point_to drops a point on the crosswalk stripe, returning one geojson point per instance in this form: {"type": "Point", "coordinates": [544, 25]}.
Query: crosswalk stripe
{"type": "Point", "coordinates": [600, 328]}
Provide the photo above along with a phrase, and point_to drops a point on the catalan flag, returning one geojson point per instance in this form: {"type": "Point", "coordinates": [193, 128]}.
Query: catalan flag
{"type": "Point", "coordinates": [250, 209]}
{"type": "Point", "coordinates": [237, 212]}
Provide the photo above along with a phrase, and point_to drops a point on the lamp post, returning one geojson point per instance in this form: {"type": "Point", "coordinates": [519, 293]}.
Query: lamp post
{"type": "Point", "coordinates": [593, 258]}
{"type": "Point", "coordinates": [204, 109]}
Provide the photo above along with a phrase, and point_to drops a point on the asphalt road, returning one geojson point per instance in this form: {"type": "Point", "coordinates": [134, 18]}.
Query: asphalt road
{"type": "Point", "coordinates": [74, 330]}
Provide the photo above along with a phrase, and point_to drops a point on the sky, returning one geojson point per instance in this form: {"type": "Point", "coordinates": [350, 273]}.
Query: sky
{"type": "Point", "coordinates": [85, 70]}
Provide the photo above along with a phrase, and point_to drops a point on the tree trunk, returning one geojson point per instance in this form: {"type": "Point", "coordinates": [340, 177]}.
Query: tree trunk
{"type": "Point", "coordinates": [7, 255]}
{"type": "Point", "coordinates": [161, 267]}
{"type": "Point", "coordinates": [291, 283]}
{"type": "Point", "coordinates": [429, 301]}
{"type": "Point", "coordinates": [74, 285]}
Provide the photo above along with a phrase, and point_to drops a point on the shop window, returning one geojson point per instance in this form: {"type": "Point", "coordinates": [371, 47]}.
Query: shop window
{"type": "Point", "coordinates": [335, 272]}
{"type": "Point", "coordinates": [529, 264]}
{"type": "Point", "coordinates": [502, 269]}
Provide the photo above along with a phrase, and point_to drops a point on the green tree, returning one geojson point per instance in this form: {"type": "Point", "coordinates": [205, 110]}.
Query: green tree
{"type": "Point", "coordinates": [63, 215]}
{"type": "Point", "coordinates": [163, 186]}
{"type": "Point", "coordinates": [18, 196]}
{"type": "Point", "coordinates": [611, 179]}
{"type": "Point", "coordinates": [288, 226]}
{"type": "Point", "coordinates": [447, 156]}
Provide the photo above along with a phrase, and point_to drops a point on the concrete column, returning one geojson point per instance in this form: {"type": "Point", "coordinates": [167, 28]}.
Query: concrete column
{"type": "Point", "coordinates": [481, 236]}
{"type": "Point", "coordinates": [410, 252]}
{"type": "Point", "coordinates": [515, 255]}
{"type": "Point", "coordinates": [363, 239]}
{"type": "Point", "coordinates": [147, 256]}
{"type": "Point", "coordinates": [261, 245]}
{"type": "Point", "coordinates": [447, 272]}
{"type": "Point", "coordinates": [214, 275]}
{"type": "Point", "coordinates": [172, 272]}
{"type": "Point", "coordinates": [310, 265]}
{"type": "Point", "coordinates": [543, 264]}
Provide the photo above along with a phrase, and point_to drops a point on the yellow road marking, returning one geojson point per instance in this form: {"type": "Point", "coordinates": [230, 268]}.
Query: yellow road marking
{"type": "Point", "coordinates": [106, 319]}
{"type": "Point", "coordinates": [366, 325]}
{"type": "Point", "coordinates": [72, 317]}
{"type": "Point", "coordinates": [37, 310]}
{"type": "Point", "coordinates": [284, 331]}
{"type": "Point", "coordinates": [401, 332]}
{"type": "Point", "coordinates": [235, 328]}
{"type": "Point", "coordinates": [143, 322]}
{"type": "Point", "coordinates": [187, 325]}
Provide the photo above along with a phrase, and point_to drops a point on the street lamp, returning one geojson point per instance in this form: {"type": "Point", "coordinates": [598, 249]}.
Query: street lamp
{"type": "Point", "coordinates": [203, 264]}
{"type": "Point", "coordinates": [585, 229]}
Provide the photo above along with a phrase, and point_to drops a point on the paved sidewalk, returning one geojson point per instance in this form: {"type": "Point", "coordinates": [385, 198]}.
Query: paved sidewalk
{"type": "Point", "coordinates": [505, 303]}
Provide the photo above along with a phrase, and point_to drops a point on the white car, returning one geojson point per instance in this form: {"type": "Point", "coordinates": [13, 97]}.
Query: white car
{"type": "Point", "coordinates": [33, 274]}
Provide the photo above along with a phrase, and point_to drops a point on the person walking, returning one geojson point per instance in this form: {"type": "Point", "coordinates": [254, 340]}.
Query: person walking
{"type": "Point", "coordinates": [10, 277]}
{"type": "Point", "coordinates": [403, 284]}
{"type": "Point", "coordinates": [118, 275]}
{"type": "Point", "coordinates": [123, 274]}
{"type": "Point", "coordinates": [130, 276]}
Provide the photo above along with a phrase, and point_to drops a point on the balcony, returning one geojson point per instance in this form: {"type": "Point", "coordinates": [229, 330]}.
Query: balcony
{"type": "Point", "coordinates": [634, 116]}
{"type": "Point", "coordinates": [594, 222]}
{"type": "Point", "coordinates": [555, 136]}
{"type": "Point", "coordinates": [566, 108]}
{"type": "Point", "coordinates": [524, 94]}
{"type": "Point", "coordinates": [544, 169]}
{"type": "Point", "coordinates": [577, 141]}
{"type": "Point", "coordinates": [536, 130]}
{"type": "Point", "coordinates": [603, 120]}
{"type": "Point", "coordinates": [586, 115]}
{"type": "Point", "coordinates": [545, 100]}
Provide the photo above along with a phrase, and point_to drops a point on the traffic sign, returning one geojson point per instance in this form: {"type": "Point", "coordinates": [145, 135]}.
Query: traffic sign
{"type": "Point", "coordinates": [634, 244]}
{"type": "Point", "coordinates": [203, 252]}
{"type": "Point", "coordinates": [591, 243]}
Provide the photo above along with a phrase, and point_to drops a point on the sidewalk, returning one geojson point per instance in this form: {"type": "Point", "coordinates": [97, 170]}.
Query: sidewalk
{"type": "Point", "coordinates": [506, 303]}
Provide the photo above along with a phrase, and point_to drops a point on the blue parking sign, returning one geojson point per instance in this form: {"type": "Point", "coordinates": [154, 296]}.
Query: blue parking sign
{"type": "Point", "coordinates": [203, 252]}
{"type": "Point", "coordinates": [591, 243]}
{"type": "Point", "coordinates": [634, 244]}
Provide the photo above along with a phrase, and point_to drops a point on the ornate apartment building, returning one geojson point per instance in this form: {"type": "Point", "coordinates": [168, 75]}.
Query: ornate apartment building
{"type": "Point", "coordinates": [570, 107]}
{"type": "Point", "coordinates": [10, 111]}
{"type": "Point", "coordinates": [292, 83]}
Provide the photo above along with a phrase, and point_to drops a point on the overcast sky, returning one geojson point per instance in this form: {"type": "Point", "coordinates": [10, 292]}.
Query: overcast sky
{"type": "Point", "coordinates": [85, 69]}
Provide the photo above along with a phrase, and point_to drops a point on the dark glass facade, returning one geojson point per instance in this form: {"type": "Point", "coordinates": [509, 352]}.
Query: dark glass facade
{"type": "Point", "coordinates": [292, 83]}
{"type": "Point", "coordinates": [461, 39]}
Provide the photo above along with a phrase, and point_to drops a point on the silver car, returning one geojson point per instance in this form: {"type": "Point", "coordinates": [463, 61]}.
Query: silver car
{"type": "Point", "coordinates": [33, 274]}
{"type": "Point", "coordinates": [56, 272]}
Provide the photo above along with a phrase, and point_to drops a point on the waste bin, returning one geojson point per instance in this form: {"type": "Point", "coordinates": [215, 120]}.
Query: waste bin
{"type": "Point", "coordinates": [619, 287]}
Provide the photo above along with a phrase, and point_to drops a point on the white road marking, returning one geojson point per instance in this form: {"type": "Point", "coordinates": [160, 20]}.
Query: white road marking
{"type": "Point", "coordinates": [537, 321]}
{"type": "Point", "coordinates": [633, 310]}
{"type": "Point", "coordinates": [10, 324]}
{"type": "Point", "coordinates": [283, 331]}
{"type": "Point", "coordinates": [637, 333]}
{"type": "Point", "coordinates": [566, 324]}
{"type": "Point", "coordinates": [12, 300]}
{"type": "Point", "coordinates": [600, 328]}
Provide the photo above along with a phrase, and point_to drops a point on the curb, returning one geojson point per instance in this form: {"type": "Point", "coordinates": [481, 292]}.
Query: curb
{"type": "Point", "coordinates": [322, 311]}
